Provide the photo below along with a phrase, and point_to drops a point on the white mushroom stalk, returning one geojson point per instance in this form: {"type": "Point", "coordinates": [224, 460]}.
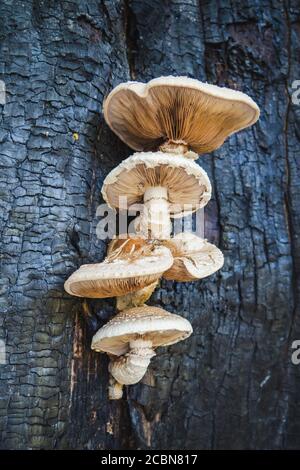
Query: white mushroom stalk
{"type": "Point", "coordinates": [137, 298]}
{"type": "Point", "coordinates": [131, 368]}
{"type": "Point", "coordinates": [155, 220]}
{"type": "Point", "coordinates": [178, 147]}
{"type": "Point", "coordinates": [115, 389]}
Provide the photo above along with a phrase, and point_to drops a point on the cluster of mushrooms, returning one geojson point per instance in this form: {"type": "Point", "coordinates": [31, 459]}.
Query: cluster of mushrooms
{"type": "Point", "coordinates": [168, 121]}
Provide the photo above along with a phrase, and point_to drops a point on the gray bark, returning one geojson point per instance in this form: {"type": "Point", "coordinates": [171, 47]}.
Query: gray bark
{"type": "Point", "coordinates": [232, 384]}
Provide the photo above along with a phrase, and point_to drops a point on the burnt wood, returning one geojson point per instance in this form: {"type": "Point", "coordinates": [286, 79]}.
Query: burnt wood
{"type": "Point", "coordinates": [232, 383]}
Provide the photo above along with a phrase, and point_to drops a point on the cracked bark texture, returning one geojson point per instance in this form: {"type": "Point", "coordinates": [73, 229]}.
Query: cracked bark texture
{"type": "Point", "coordinates": [232, 384]}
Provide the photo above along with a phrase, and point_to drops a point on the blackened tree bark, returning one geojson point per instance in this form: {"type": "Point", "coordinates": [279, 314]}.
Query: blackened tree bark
{"type": "Point", "coordinates": [232, 384]}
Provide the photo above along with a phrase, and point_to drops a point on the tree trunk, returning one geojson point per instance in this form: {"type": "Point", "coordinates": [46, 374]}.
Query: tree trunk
{"type": "Point", "coordinates": [232, 384]}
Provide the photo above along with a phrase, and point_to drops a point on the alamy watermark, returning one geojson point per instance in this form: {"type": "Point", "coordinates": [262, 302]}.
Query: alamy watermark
{"type": "Point", "coordinates": [2, 92]}
{"type": "Point", "coordinates": [2, 352]}
{"type": "Point", "coordinates": [296, 354]}
{"type": "Point", "coordinates": [127, 220]}
{"type": "Point", "coordinates": [296, 93]}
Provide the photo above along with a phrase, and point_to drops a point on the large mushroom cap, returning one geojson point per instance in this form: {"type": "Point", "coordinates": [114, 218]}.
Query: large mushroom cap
{"type": "Point", "coordinates": [144, 115]}
{"type": "Point", "coordinates": [149, 323]}
{"type": "Point", "coordinates": [186, 182]}
{"type": "Point", "coordinates": [120, 276]}
{"type": "Point", "coordinates": [194, 258]}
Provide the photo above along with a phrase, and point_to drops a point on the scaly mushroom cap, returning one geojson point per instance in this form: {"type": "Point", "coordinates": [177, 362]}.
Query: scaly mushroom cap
{"type": "Point", "coordinates": [148, 323]}
{"type": "Point", "coordinates": [186, 182]}
{"type": "Point", "coordinates": [145, 115]}
{"type": "Point", "coordinates": [119, 276]}
{"type": "Point", "coordinates": [194, 258]}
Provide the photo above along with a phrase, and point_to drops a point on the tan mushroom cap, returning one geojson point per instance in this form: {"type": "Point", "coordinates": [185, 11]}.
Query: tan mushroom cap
{"type": "Point", "coordinates": [186, 182]}
{"type": "Point", "coordinates": [120, 276]}
{"type": "Point", "coordinates": [144, 115]}
{"type": "Point", "coordinates": [149, 323]}
{"type": "Point", "coordinates": [194, 258]}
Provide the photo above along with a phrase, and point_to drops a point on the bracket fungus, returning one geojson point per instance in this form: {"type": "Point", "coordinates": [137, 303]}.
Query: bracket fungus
{"type": "Point", "coordinates": [169, 121]}
{"type": "Point", "coordinates": [131, 337]}
{"type": "Point", "coordinates": [177, 114]}
{"type": "Point", "coordinates": [167, 185]}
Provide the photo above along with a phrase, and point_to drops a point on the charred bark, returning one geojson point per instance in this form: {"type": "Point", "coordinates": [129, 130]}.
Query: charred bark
{"type": "Point", "coordinates": [232, 384]}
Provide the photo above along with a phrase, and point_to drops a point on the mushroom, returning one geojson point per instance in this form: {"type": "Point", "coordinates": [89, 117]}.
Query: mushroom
{"type": "Point", "coordinates": [169, 120]}
{"type": "Point", "coordinates": [167, 184]}
{"type": "Point", "coordinates": [194, 258]}
{"type": "Point", "coordinates": [177, 114]}
{"type": "Point", "coordinates": [131, 337]}
{"type": "Point", "coordinates": [124, 245]}
{"type": "Point", "coordinates": [117, 276]}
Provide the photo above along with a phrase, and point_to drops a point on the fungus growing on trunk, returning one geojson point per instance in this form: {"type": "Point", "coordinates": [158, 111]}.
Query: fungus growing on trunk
{"type": "Point", "coordinates": [168, 185]}
{"type": "Point", "coordinates": [169, 120]}
{"type": "Point", "coordinates": [177, 114]}
{"type": "Point", "coordinates": [131, 337]}
{"type": "Point", "coordinates": [194, 258]}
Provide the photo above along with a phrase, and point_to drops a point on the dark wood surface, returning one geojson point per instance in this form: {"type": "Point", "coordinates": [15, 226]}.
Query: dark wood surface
{"type": "Point", "coordinates": [232, 384]}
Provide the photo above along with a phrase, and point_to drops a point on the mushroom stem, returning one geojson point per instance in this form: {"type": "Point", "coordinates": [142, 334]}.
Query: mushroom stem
{"type": "Point", "coordinates": [178, 147]}
{"type": "Point", "coordinates": [115, 389]}
{"type": "Point", "coordinates": [131, 368]}
{"type": "Point", "coordinates": [155, 219]}
{"type": "Point", "coordinates": [135, 299]}
{"type": "Point", "coordinates": [174, 146]}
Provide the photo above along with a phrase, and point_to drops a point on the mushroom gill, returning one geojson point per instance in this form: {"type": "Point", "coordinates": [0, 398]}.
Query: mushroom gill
{"type": "Point", "coordinates": [168, 186]}
{"type": "Point", "coordinates": [177, 114]}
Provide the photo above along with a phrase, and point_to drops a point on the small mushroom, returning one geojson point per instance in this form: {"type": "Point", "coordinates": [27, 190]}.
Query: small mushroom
{"type": "Point", "coordinates": [194, 258]}
{"type": "Point", "coordinates": [118, 276]}
{"type": "Point", "coordinates": [166, 184]}
{"type": "Point", "coordinates": [177, 114]}
{"type": "Point", "coordinates": [131, 337]}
